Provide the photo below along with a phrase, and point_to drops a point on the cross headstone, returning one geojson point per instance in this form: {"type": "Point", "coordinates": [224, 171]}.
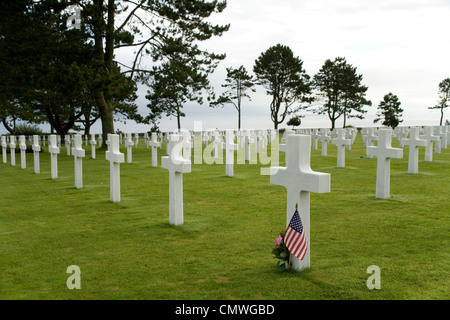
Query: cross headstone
{"type": "Point", "coordinates": [146, 139]}
{"type": "Point", "coordinates": [299, 180]}
{"type": "Point", "coordinates": [414, 142]}
{"type": "Point", "coordinates": [187, 145]}
{"type": "Point", "coordinates": [154, 144]}
{"type": "Point", "coordinates": [67, 141]}
{"type": "Point", "coordinates": [248, 140]}
{"type": "Point", "coordinates": [93, 144]}
{"type": "Point", "coordinates": [429, 137]}
{"type": "Point", "coordinates": [370, 137]}
{"type": "Point", "coordinates": [315, 138]}
{"type": "Point", "coordinates": [54, 150]}
{"type": "Point", "coordinates": [23, 150]}
{"type": "Point", "coordinates": [447, 130]}
{"type": "Point", "coordinates": [4, 146]}
{"type": "Point", "coordinates": [384, 152]}
{"type": "Point", "coordinates": [443, 134]}
{"type": "Point", "coordinates": [78, 154]}
{"type": "Point", "coordinates": [176, 165]}
{"type": "Point", "coordinates": [216, 142]}
{"type": "Point", "coordinates": [324, 140]}
{"type": "Point", "coordinates": [136, 139]}
{"type": "Point", "coordinates": [129, 145]}
{"type": "Point", "coordinates": [12, 149]}
{"type": "Point", "coordinates": [340, 142]}
{"type": "Point", "coordinates": [230, 147]}
{"type": "Point", "coordinates": [115, 157]}
{"type": "Point", "coordinates": [36, 149]}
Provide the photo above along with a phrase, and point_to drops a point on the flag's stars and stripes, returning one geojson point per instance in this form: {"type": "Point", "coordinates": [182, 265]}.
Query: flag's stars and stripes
{"type": "Point", "coordinates": [295, 238]}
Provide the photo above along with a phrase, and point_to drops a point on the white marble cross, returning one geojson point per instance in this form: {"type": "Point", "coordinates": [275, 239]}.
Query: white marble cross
{"type": "Point", "coordinates": [229, 147]}
{"type": "Point", "coordinates": [129, 145]}
{"type": "Point", "coordinates": [115, 157]}
{"type": "Point", "coordinates": [315, 138]}
{"type": "Point", "coordinates": [136, 139]}
{"type": "Point", "coordinates": [340, 142]}
{"type": "Point", "coordinates": [93, 144]}
{"type": "Point", "coordinates": [67, 141]}
{"type": "Point", "coordinates": [146, 139]}
{"type": "Point", "coordinates": [216, 142]}
{"type": "Point", "coordinates": [300, 180]}
{"type": "Point", "coordinates": [429, 137]}
{"type": "Point", "coordinates": [23, 150]}
{"type": "Point", "coordinates": [187, 145]}
{"type": "Point", "coordinates": [4, 146]}
{"type": "Point", "coordinates": [384, 152]}
{"type": "Point", "coordinates": [324, 139]}
{"type": "Point", "coordinates": [443, 134]}
{"type": "Point", "coordinates": [12, 149]}
{"type": "Point", "coordinates": [370, 137]}
{"type": "Point", "coordinates": [78, 154]}
{"type": "Point", "coordinates": [176, 165]}
{"type": "Point", "coordinates": [54, 150]}
{"type": "Point", "coordinates": [36, 149]}
{"type": "Point", "coordinates": [154, 144]}
{"type": "Point", "coordinates": [414, 142]}
{"type": "Point", "coordinates": [248, 140]}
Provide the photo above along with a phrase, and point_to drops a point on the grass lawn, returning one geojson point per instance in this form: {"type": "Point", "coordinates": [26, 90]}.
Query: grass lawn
{"type": "Point", "coordinates": [128, 250]}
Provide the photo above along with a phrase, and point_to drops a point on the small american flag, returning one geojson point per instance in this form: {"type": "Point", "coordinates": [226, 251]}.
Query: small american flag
{"type": "Point", "coordinates": [295, 238]}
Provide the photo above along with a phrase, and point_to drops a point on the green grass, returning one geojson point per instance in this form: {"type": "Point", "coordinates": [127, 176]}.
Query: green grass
{"type": "Point", "coordinates": [128, 250]}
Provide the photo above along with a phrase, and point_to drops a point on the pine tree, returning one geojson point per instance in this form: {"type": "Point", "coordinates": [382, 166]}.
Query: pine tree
{"type": "Point", "coordinates": [285, 80]}
{"type": "Point", "coordinates": [444, 96]}
{"type": "Point", "coordinates": [389, 111]}
{"type": "Point", "coordinates": [238, 81]}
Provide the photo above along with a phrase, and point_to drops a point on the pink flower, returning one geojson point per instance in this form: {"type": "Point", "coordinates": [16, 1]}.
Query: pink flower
{"type": "Point", "coordinates": [278, 240]}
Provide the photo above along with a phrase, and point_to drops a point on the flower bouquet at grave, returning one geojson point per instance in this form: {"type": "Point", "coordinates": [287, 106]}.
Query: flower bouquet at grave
{"type": "Point", "coordinates": [282, 253]}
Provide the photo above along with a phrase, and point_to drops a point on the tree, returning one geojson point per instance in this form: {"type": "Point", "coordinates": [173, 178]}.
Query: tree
{"type": "Point", "coordinates": [238, 81]}
{"type": "Point", "coordinates": [389, 111]}
{"type": "Point", "coordinates": [294, 121]}
{"type": "Point", "coordinates": [16, 57]}
{"type": "Point", "coordinates": [172, 85]}
{"type": "Point", "coordinates": [339, 86]}
{"type": "Point", "coordinates": [444, 96]}
{"type": "Point", "coordinates": [161, 29]}
{"type": "Point", "coordinates": [283, 77]}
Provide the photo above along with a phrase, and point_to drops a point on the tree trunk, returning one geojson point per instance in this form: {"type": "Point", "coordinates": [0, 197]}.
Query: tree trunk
{"type": "Point", "coordinates": [239, 119]}
{"type": "Point", "coordinates": [345, 118]}
{"type": "Point", "coordinates": [11, 130]}
{"type": "Point", "coordinates": [106, 115]}
{"type": "Point", "coordinates": [442, 116]}
{"type": "Point", "coordinates": [178, 118]}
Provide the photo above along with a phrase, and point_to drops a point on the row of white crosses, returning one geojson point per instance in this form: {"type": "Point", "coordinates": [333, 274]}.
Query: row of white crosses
{"type": "Point", "coordinates": [297, 177]}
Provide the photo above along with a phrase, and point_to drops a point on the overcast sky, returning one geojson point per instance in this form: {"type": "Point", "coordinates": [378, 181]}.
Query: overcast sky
{"type": "Point", "coordinates": [399, 46]}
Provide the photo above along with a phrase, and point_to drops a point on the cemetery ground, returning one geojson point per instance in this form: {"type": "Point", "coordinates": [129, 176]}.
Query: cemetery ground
{"type": "Point", "coordinates": [128, 250]}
